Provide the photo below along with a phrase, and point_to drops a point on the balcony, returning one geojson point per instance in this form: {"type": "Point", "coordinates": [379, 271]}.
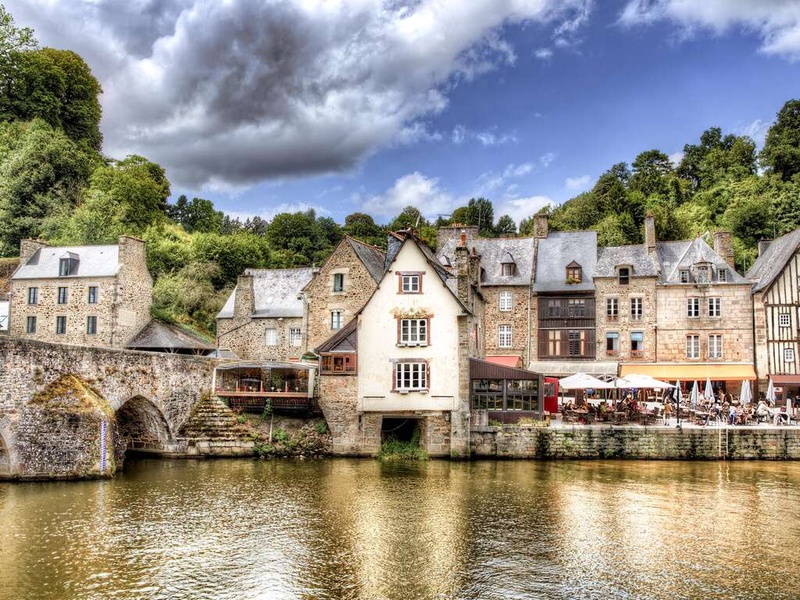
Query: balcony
{"type": "Point", "coordinates": [247, 386]}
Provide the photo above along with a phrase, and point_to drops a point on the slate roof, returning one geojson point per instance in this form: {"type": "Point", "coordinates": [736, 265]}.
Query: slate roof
{"type": "Point", "coordinates": [559, 249]}
{"type": "Point", "coordinates": [372, 257]}
{"type": "Point", "coordinates": [771, 263]}
{"type": "Point", "coordinates": [677, 256]}
{"type": "Point", "coordinates": [610, 257]}
{"type": "Point", "coordinates": [157, 335]}
{"type": "Point", "coordinates": [344, 340]}
{"type": "Point", "coordinates": [494, 252]}
{"type": "Point", "coordinates": [93, 261]}
{"type": "Point", "coordinates": [276, 293]}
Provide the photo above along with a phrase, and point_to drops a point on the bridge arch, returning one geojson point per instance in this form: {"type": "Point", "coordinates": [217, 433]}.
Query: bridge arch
{"type": "Point", "coordinates": [141, 426]}
{"type": "Point", "coordinates": [5, 457]}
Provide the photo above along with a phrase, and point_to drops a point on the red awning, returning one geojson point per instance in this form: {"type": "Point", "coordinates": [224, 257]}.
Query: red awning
{"type": "Point", "coordinates": [785, 379]}
{"type": "Point", "coordinates": [506, 361]}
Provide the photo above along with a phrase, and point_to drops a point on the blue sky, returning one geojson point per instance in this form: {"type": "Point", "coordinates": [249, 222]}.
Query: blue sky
{"type": "Point", "coordinates": [358, 105]}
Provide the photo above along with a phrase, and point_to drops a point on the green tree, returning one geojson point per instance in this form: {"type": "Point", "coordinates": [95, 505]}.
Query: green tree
{"type": "Point", "coordinates": [506, 226]}
{"type": "Point", "coordinates": [197, 215]}
{"type": "Point", "coordinates": [13, 41]}
{"type": "Point", "coordinates": [361, 226]}
{"type": "Point", "coordinates": [650, 173]}
{"type": "Point", "coordinates": [781, 152]}
{"type": "Point", "coordinates": [410, 217]}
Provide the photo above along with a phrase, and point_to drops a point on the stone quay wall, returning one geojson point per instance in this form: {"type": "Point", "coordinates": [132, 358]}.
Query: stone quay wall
{"type": "Point", "coordinates": [745, 443]}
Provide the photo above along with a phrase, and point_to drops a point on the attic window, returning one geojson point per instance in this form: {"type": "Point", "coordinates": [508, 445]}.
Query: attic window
{"type": "Point", "coordinates": [624, 275]}
{"type": "Point", "coordinates": [703, 274]}
{"type": "Point", "coordinates": [684, 275]}
{"type": "Point", "coordinates": [67, 264]}
{"type": "Point", "coordinates": [574, 273]}
{"type": "Point", "coordinates": [722, 274]}
{"type": "Point", "coordinates": [507, 269]}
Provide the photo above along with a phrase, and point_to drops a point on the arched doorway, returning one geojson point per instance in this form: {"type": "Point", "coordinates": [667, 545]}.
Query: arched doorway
{"type": "Point", "coordinates": [141, 426]}
{"type": "Point", "coordinates": [5, 458]}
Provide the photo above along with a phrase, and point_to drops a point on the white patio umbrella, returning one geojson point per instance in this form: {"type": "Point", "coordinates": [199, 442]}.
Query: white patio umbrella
{"type": "Point", "coordinates": [770, 392]}
{"type": "Point", "coordinates": [789, 408]}
{"type": "Point", "coordinates": [745, 396]}
{"type": "Point", "coordinates": [647, 382]}
{"type": "Point", "coordinates": [709, 391]}
{"type": "Point", "coordinates": [695, 397]}
{"type": "Point", "coordinates": [582, 381]}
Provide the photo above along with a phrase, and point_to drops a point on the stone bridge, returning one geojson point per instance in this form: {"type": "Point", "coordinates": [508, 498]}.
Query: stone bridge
{"type": "Point", "coordinates": [70, 411]}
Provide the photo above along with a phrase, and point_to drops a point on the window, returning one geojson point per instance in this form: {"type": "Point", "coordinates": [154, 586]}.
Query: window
{"type": "Point", "coordinates": [338, 282]}
{"type": "Point", "coordinates": [577, 340]}
{"type": "Point", "coordinates": [271, 336]}
{"type": "Point", "coordinates": [61, 325]}
{"type": "Point", "coordinates": [295, 337]}
{"type": "Point", "coordinates": [91, 325]}
{"type": "Point", "coordinates": [33, 295]}
{"type": "Point", "coordinates": [576, 307]}
{"type": "Point", "coordinates": [505, 301]}
{"type": "Point", "coordinates": [62, 295]}
{"type": "Point", "coordinates": [612, 343]}
{"type": "Point", "coordinates": [637, 309]}
{"type": "Point", "coordinates": [336, 319]}
{"type": "Point", "coordinates": [692, 346]}
{"type": "Point", "coordinates": [785, 320]}
{"type": "Point", "coordinates": [703, 275]}
{"type": "Point", "coordinates": [92, 294]}
{"type": "Point", "coordinates": [553, 309]}
{"type": "Point", "coordinates": [413, 332]}
{"type": "Point", "coordinates": [410, 283]}
{"type": "Point", "coordinates": [31, 325]}
{"type": "Point", "coordinates": [63, 267]}
{"type": "Point", "coordinates": [339, 363]}
{"type": "Point", "coordinates": [624, 276]}
{"type": "Point", "coordinates": [612, 309]}
{"type": "Point", "coordinates": [553, 343]}
{"type": "Point", "coordinates": [715, 307]}
{"type": "Point", "coordinates": [722, 275]}
{"type": "Point", "coordinates": [788, 354]}
{"type": "Point", "coordinates": [507, 269]}
{"type": "Point", "coordinates": [574, 273]}
{"type": "Point", "coordinates": [504, 336]}
{"type": "Point", "coordinates": [693, 307]}
{"type": "Point", "coordinates": [637, 344]}
{"type": "Point", "coordinates": [411, 376]}
{"type": "Point", "coordinates": [684, 275]}
{"type": "Point", "coordinates": [715, 346]}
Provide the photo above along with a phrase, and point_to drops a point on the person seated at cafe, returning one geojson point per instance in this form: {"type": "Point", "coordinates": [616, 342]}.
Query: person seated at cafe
{"type": "Point", "coordinates": [781, 417]}
{"type": "Point", "coordinates": [713, 413]}
{"type": "Point", "coordinates": [763, 411]}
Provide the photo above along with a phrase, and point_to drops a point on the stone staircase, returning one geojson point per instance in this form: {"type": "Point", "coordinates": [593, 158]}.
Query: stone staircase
{"type": "Point", "coordinates": [214, 429]}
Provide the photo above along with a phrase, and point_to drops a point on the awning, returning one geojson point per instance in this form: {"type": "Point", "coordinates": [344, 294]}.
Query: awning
{"type": "Point", "coordinates": [689, 371]}
{"type": "Point", "coordinates": [483, 369]}
{"type": "Point", "coordinates": [785, 379]}
{"type": "Point", "coordinates": [563, 368]}
{"type": "Point", "coordinates": [506, 361]}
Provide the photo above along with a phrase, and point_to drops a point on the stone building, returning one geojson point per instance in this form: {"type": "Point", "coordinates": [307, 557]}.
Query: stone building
{"type": "Point", "coordinates": [625, 280]}
{"type": "Point", "coordinates": [263, 318]}
{"type": "Point", "coordinates": [506, 270]}
{"type": "Point", "coordinates": [87, 295]}
{"type": "Point", "coordinates": [775, 278]}
{"type": "Point", "coordinates": [341, 287]}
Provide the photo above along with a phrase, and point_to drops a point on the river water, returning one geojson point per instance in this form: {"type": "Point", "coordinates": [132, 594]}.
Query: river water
{"type": "Point", "coordinates": [361, 529]}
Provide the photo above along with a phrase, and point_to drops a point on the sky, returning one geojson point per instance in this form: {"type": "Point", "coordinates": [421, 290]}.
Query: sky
{"type": "Point", "coordinates": [350, 106]}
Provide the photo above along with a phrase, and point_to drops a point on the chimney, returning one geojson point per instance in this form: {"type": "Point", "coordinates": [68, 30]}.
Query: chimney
{"type": "Point", "coordinates": [463, 261]}
{"type": "Point", "coordinates": [244, 304]}
{"type": "Point", "coordinates": [723, 245]}
{"type": "Point", "coordinates": [650, 233]}
{"type": "Point", "coordinates": [762, 246]}
{"type": "Point", "coordinates": [131, 250]}
{"type": "Point", "coordinates": [28, 248]}
{"type": "Point", "coordinates": [540, 226]}
{"type": "Point", "coordinates": [445, 234]}
{"type": "Point", "coordinates": [475, 269]}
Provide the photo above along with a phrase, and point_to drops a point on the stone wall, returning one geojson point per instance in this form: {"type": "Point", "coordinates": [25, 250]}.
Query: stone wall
{"type": "Point", "coordinates": [7, 268]}
{"type": "Point", "coordinates": [247, 337]}
{"type": "Point", "coordinates": [636, 443]}
{"type": "Point", "coordinates": [517, 317]}
{"type": "Point", "coordinates": [134, 291]}
{"type": "Point", "coordinates": [639, 287]}
{"type": "Point", "coordinates": [339, 403]}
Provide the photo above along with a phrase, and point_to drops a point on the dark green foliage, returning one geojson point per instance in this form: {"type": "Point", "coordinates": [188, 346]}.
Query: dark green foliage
{"type": "Point", "coordinates": [197, 215]}
{"type": "Point", "coordinates": [781, 152]}
{"type": "Point", "coordinates": [506, 226]}
{"type": "Point", "coordinates": [362, 227]}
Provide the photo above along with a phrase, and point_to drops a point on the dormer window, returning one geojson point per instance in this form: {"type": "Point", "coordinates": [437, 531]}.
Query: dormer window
{"type": "Point", "coordinates": [507, 269]}
{"type": "Point", "coordinates": [63, 267]}
{"type": "Point", "coordinates": [68, 264]}
{"type": "Point", "coordinates": [703, 274]}
{"type": "Point", "coordinates": [684, 275]}
{"type": "Point", "coordinates": [574, 272]}
{"type": "Point", "coordinates": [722, 274]}
{"type": "Point", "coordinates": [624, 275]}
{"type": "Point", "coordinates": [507, 265]}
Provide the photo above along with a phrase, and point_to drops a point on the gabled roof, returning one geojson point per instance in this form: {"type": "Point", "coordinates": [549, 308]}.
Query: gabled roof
{"type": "Point", "coordinates": [609, 258]}
{"type": "Point", "coordinates": [344, 340]}
{"type": "Point", "coordinates": [677, 256]}
{"type": "Point", "coordinates": [773, 260]}
{"type": "Point", "coordinates": [157, 335]}
{"type": "Point", "coordinates": [494, 252]}
{"type": "Point", "coordinates": [92, 261]}
{"type": "Point", "coordinates": [559, 249]}
{"type": "Point", "coordinates": [276, 293]}
{"type": "Point", "coordinates": [372, 257]}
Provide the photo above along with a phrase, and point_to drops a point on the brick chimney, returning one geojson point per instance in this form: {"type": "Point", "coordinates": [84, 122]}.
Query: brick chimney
{"type": "Point", "coordinates": [723, 245]}
{"type": "Point", "coordinates": [540, 226]}
{"type": "Point", "coordinates": [244, 304]}
{"type": "Point", "coordinates": [650, 233]}
{"type": "Point", "coordinates": [445, 234]}
{"type": "Point", "coordinates": [28, 248]}
{"type": "Point", "coordinates": [132, 251]}
{"type": "Point", "coordinates": [463, 264]}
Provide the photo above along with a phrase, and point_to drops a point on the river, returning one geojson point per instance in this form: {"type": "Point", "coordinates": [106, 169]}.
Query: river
{"type": "Point", "coordinates": [342, 528]}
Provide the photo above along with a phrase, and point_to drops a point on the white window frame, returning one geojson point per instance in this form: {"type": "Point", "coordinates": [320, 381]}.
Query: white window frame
{"type": "Point", "coordinates": [270, 336]}
{"type": "Point", "coordinates": [788, 355]}
{"type": "Point", "coordinates": [505, 336]}
{"type": "Point", "coordinates": [295, 336]}
{"type": "Point", "coordinates": [693, 308]}
{"type": "Point", "coordinates": [63, 294]}
{"type": "Point", "coordinates": [722, 275]}
{"type": "Point", "coordinates": [715, 307]}
{"type": "Point", "coordinates": [612, 309]}
{"type": "Point", "coordinates": [784, 320]}
{"type": "Point", "coordinates": [683, 274]}
{"type": "Point", "coordinates": [715, 345]}
{"type": "Point", "coordinates": [614, 350]}
{"type": "Point", "coordinates": [93, 294]}
{"type": "Point", "coordinates": [638, 304]}
{"type": "Point", "coordinates": [33, 295]}
{"type": "Point", "coordinates": [336, 319]}
{"type": "Point", "coordinates": [411, 376]}
{"type": "Point", "coordinates": [703, 274]}
{"type": "Point", "coordinates": [693, 346]}
{"type": "Point", "coordinates": [338, 282]}
{"type": "Point", "coordinates": [506, 301]}
{"type": "Point", "coordinates": [413, 332]}
{"type": "Point", "coordinates": [410, 283]}
{"type": "Point", "coordinates": [507, 269]}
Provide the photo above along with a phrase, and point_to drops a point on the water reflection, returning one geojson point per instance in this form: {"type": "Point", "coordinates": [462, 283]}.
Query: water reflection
{"type": "Point", "coordinates": [361, 529]}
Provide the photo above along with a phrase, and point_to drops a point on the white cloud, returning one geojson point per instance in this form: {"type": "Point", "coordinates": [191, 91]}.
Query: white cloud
{"type": "Point", "coordinates": [757, 131]}
{"type": "Point", "coordinates": [414, 189]}
{"type": "Point", "coordinates": [577, 183]}
{"type": "Point", "coordinates": [676, 157]}
{"type": "Point", "coordinates": [416, 133]}
{"type": "Point", "coordinates": [543, 53]}
{"type": "Point", "coordinates": [547, 159]}
{"type": "Point", "coordinates": [521, 208]}
{"type": "Point", "coordinates": [488, 137]}
{"type": "Point", "coordinates": [777, 22]}
{"type": "Point", "coordinates": [268, 213]}
{"type": "Point", "coordinates": [490, 183]}
{"type": "Point", "coordinates": [241, 91]}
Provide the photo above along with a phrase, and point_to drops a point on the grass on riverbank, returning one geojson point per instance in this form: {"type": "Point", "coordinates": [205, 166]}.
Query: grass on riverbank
{"type": "Point", "coordinates": [393, 449]}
